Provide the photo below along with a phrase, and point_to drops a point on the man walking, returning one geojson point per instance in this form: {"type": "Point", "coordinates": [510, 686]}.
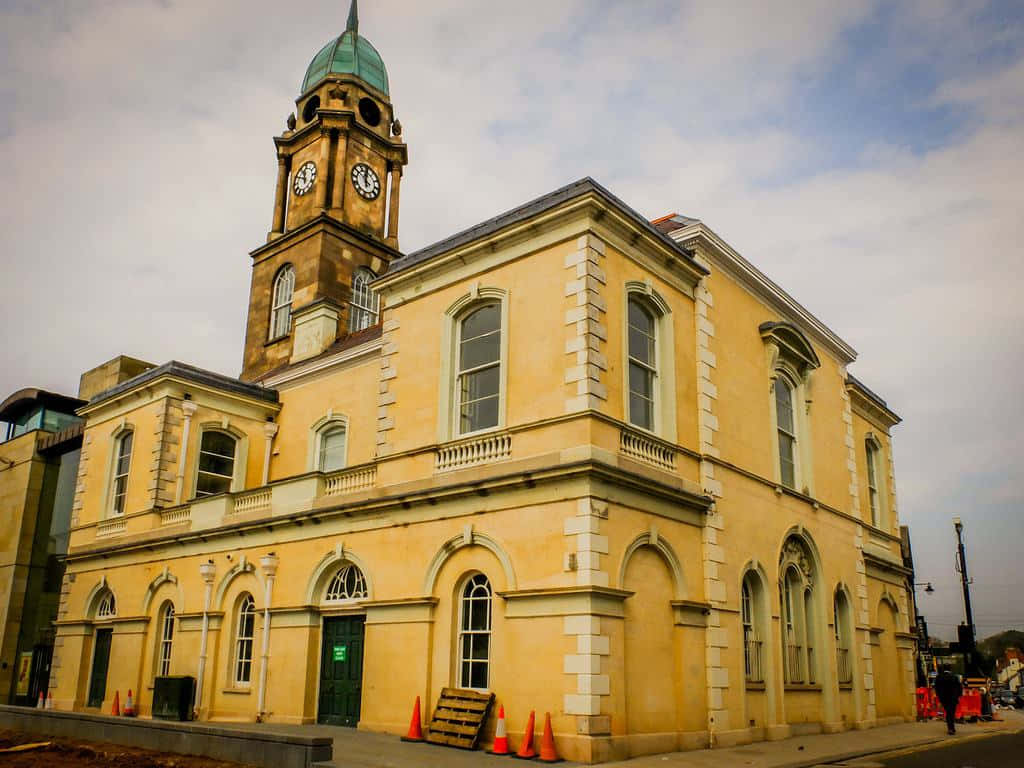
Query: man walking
{"type": "Point", "coordinates": [948, 689]}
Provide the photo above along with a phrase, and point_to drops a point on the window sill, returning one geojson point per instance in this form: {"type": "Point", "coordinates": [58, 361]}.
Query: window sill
{"type": "Point", "coordinates": [276, 340]}
{"type": "Point", "coordinates": [752, 686]}
{"type": "Point", "coordinates": [846, 686]}
{"type": "Point", "coordinates": [237, 691]}
{"type": "Point", "coordinates": [802, 687]}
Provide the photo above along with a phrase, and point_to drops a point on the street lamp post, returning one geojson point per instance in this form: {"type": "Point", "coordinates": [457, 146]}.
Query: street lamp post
{"type": "Point", "coordinates": [967, 637]}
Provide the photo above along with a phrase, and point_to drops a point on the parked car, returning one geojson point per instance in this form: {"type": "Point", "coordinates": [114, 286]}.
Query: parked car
{"type": "Point", "coordinates": [1005, 698]}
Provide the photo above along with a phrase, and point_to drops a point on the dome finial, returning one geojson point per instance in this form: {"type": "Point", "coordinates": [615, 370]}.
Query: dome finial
{"type": "Point", "coordinates": [353, 18]}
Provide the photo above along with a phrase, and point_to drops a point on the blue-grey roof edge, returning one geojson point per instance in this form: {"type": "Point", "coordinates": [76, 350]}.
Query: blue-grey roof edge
{"type": "Point", "coordinates": [190, 373]}
{"type": "Point", "coordinates": [579, 188]}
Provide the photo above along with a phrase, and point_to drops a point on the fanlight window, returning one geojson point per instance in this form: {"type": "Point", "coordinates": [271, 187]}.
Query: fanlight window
{"type": "Point", "coordinates": [365, 306]}
{"type": "Point", "coordinates": [281, 302]}
{"type": "Point", "coordinates": [108, 606]}
{"type": "Point", "coordinates": [348, 584]}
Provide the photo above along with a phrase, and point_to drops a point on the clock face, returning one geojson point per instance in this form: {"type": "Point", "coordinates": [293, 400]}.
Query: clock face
{"type": "Point", "coordinates": [304, 178]}
{"type": "Point", "coordinates": [366, 182]}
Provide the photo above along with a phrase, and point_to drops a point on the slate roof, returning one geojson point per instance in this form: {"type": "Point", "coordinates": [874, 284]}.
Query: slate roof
{"type": "Point", "coordinates": [193, 374]}
{"type": "Point", "coordinates": [584, 186]}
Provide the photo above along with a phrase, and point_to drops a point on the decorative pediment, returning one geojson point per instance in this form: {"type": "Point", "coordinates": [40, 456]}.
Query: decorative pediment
{"type": "Point", "coordinates": [790, 344]}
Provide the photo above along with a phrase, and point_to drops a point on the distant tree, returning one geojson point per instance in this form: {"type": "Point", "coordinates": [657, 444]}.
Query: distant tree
{"type": "Point", "coordinates": [996, 645]}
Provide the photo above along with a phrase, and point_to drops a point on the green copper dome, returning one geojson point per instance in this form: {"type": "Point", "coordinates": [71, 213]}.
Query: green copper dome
{"type": "Point", "coordinates": [349, 54]}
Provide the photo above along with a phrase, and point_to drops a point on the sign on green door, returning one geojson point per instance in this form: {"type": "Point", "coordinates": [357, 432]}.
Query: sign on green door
{"type": "Point", "coordinates": [340, 653]}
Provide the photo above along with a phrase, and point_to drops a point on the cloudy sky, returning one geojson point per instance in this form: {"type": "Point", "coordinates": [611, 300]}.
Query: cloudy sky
{"type": "Point", "coordinates": [866, 155]}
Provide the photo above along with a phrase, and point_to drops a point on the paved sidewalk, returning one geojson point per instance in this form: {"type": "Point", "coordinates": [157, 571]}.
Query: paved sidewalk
{"type": "Point", "coordinates": [808, 751]}
{"type": "Point", "coordinates": [360, 749]}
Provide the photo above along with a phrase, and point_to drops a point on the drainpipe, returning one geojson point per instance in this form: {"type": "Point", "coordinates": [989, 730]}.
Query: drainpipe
{"type": "Point", "coordinates": [207, 571]}
{"type": "Point", "coordinates": [189, 409]}
{"type": "Point", "coordinates": [268, 564]}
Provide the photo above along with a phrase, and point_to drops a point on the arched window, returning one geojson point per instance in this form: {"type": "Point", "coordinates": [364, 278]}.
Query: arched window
{"type": "Point", "coordinates": [873, 496]}
{"type": "Point", "coordinates": [753, 668]}
{"type": "Point", "coordinates": [107, 607]}
{"type": "Point", "coordinates": [840, 615]}
{"type": "Point", "coordinates": [348, 584]}
{"type": "Point", "coordinates": [786, 422]}
{"type": "Point", "coordinates": [808, 617]}
{"type": "Point", "coordinates": [281, 302]}
{"type": "Point", "coordinates": [478, 381]}
{"type": "Point", "coordinates": [216, 463]}
{"type": "Point", "coordinates": [122, 461]}
{"type": "Point", "coordinates": [364, 309]}
{"type": "Point", "coordinates": [166, 639]}
{"type": "Point", "coordinates": [332, 448]}
{"type": "Point", "coordinates": [245, 631]}
{"type": "Point", "coordinates": [475, 633]}
{"type": "Point", "coordinates": [643, 364]}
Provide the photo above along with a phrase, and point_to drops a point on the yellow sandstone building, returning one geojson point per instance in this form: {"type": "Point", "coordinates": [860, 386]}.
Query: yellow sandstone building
{"type": "Point", "coordinates": [596, 465]}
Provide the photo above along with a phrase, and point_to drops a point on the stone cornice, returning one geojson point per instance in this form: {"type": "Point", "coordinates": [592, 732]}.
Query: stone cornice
{"type": "Point", "coordinates": [764, 288]}
{"type": "Point", "coordinates": [323, 364]}
{"type": "Point", "coordinates": [317, 225]}
{"type": "Point", "coordinates": [866, 404]}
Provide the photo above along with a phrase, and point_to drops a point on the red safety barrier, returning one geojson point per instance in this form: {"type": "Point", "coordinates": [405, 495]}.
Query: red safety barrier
{"type": "Point", "coordinates": [969, 706]}
{"type": "Point", "coordinates": [928, 706]}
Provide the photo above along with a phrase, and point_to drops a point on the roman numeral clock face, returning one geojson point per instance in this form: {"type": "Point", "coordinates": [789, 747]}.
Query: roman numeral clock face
{"type": "Point", "coordinates": [304, 179]}
{"type": "Point", "coordinates": [366, 182]}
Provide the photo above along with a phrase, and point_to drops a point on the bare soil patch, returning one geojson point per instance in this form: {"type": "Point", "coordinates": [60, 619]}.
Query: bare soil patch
{"type": "Point", "coordinates": [74, 753]}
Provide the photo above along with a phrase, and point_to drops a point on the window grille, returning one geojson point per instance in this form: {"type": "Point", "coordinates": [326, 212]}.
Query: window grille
{"type": "Point", "coordinates": [475, 633]}
{"type": "Point", "coordinates": [364, 309]}
{"type": "Point", "coordinates": [281, 302]}
{"type": "Point", "coordinates": [348, 584]}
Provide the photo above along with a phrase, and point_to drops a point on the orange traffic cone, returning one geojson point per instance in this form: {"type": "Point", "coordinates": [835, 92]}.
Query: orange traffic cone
{"type": "Point", "coordinates": [42, 701]}
{"type": "Point", "coordinates": [49, 700]}
{"type": "Point", "coordinates": [116, 709]}
{"type": "Point", "coordinates": [129, 705]}
{"type": "Point", "coordinates": [500, 734]}
{"type": "Point", "coordinates": [526, 750]}
{"type": "Point", "coordinates": [547, 743]}
{"type": "Point", "coordinates": [415, 731]}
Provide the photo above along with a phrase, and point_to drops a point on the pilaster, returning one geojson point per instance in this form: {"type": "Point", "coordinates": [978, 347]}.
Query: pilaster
{"type": "Point", "coordinates": [585, 318]}
{"type": "Point", "coordinates": [385, 391]}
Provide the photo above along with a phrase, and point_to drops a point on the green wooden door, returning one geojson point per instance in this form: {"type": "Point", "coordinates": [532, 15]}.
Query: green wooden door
{"type": "Point", "coordinates": [100, 663]}
{"type": "Point", "coordinates": [341, 670]}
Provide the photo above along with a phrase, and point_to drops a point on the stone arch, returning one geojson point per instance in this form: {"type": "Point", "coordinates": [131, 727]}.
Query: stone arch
{"type": "Point", "coordinates": [326, 569]}
{"type": "Point", "coordinates": [164, 577]}
{"type": "Point", "coordinates": [466, 539]}
{"type": "Point", "coordinates": [243, 566]}
{"type": "Point", "coordinates": [654, 541]}
{"type": "Point", "coordinates": [766, 712]}
{"type": "Point", "coordinates": [92, 600]}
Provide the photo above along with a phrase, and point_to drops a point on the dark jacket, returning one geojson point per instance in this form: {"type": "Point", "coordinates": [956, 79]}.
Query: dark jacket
{"type": "Point", "coordinates": [947, 687]}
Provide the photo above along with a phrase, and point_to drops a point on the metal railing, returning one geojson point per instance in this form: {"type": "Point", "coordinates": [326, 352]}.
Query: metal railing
{"type": "Point", "coordinates": [752, 661]}
{"type": "Point", "coordinates": [794, 663]}
{"type": "Point", "coordinates": [843, 665]}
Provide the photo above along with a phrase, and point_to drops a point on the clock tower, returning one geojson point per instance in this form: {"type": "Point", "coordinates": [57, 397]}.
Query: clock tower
{"type": "Point", "coordinates": [339, 172]}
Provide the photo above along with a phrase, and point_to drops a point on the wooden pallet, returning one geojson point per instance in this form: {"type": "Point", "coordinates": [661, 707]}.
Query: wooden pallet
{"type": "Point", "coordinates": [459, 717]}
